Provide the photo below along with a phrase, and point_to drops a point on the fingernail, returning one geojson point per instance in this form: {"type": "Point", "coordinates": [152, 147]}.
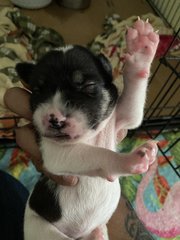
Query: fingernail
{"type": "Point", "coordinates": [72, 180]}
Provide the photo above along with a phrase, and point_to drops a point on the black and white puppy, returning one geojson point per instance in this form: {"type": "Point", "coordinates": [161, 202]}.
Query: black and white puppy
{"type": "Point", "coordinates": [77, 114]}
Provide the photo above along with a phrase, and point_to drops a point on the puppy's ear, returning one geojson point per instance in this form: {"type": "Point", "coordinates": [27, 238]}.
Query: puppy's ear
{"type": "Point", "coordinates": [105, 64]}
{"type": "Point", "coordinates": [24, 71]}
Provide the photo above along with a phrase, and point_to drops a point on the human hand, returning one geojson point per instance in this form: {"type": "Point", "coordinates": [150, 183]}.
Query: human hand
{"type": "Point", "coordinates": [17, 100]}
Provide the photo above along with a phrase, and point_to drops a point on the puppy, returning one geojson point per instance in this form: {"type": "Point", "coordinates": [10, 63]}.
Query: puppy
{"type": "Point", "coordinates": [77, 114]}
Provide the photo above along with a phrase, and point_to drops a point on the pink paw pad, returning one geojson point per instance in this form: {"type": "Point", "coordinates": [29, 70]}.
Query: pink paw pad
{"type": "Point", "coordinates": [144, 155]}
{"type": "Point", "coordinates": [143, 74]}
{"type": "Point", "coordinates": [142, 43]}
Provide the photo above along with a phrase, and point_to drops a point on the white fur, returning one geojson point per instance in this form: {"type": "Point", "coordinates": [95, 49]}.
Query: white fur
{"type": "Point", "coordinates": [83, 211]}
{"type": "Point", "coordinates": [130, 105]}
{"type": "Point", "coordinates": [64, 49]}
{"type": "Point", "coordinates": [105, 101]}
{"type": "Point", "coordinates": [54, 104]}
{"type": "Point", "coordinates": [77, 124]}
{"type": "Point", "coordinates": [93, 200]}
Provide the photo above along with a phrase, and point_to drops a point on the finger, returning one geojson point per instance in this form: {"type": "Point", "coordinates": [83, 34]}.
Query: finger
{"type": "Point", "coordinates": [25, 138]}
{"type": "Point", "coordinates": [70, 180]}
{"type": "Point", "coordinates": [62, 180]}
{"type": "Point", "coordinates": [17, 100]}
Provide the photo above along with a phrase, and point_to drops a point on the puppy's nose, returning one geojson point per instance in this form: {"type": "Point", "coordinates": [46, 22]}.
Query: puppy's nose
{"type": "Point", "coordinates": [56, 123]}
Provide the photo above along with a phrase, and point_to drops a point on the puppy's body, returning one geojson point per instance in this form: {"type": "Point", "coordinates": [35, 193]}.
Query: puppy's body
{"type": "Point", "coordinates": [77, 114]}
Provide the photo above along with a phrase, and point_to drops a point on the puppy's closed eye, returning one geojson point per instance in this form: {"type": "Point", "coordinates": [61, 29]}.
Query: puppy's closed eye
{"type": "Point", "coordinates": [82, 83]}
{"type": "Point", "coordinates": [89, 87]}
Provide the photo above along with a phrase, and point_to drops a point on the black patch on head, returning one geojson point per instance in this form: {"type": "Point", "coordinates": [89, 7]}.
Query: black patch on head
{"type": "Point", "coordinates": [24, 71]}
{"type": "Point", "coordinates": [106, 65]}
{"type": "Point", "coordinates": [43, 200]}
{"type": "Point", "coordinates": [77, 77]}
{"type": "Point", "coordinates": [80, 76]}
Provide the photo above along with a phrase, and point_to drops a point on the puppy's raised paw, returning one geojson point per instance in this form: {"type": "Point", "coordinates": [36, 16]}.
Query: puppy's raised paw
{"type": "Point", "coordinates": [143, 157]}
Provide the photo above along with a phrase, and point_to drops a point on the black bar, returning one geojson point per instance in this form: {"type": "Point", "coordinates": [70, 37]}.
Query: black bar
{"type": "Point", "coordinates": [170, 97]}
{"type": "Point", "coordinates": [172, 145]}
{"type": "Point", "coordinates": [162, 88]}
{"type": "Point", "coordinates": [162, 98]}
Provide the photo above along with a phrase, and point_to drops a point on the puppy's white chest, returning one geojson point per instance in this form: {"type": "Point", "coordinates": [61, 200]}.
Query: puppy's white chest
{"type": "Point", "coordinates": [91, 203]}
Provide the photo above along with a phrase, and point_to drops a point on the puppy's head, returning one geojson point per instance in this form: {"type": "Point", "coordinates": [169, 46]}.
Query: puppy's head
{"type": "Point", "coordinates": [72, 92]}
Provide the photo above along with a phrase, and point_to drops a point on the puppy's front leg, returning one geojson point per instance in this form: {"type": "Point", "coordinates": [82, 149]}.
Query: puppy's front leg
{"type": "Point", "coordinates": [80, 159]}
{"type": "Point", "coordinates": [142, 43]}
{"type": "Point", "coordinates": [87, 160]}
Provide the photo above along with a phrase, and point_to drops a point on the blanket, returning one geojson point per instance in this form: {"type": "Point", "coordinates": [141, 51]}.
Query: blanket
{"type": "Point", "coordinates": [155, 195]}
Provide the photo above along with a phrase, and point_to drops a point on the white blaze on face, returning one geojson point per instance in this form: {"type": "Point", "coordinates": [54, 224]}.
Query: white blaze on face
{"type": "Point", "coordinates": [64, 49]}
{"type": "Point", "coordinates": [44, 109]}
{"type": "Point", "coordinates": [76, 122]}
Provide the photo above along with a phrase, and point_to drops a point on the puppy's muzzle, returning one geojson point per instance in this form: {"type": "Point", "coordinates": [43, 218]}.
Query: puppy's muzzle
{"type": "Point", "coordinates": [56, 123]}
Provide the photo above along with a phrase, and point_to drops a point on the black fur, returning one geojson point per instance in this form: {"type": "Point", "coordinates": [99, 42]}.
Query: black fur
{"type": "Point", "coordinates": [43, 200]}
{"type": "Point", "coordinates": [56, 70]}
